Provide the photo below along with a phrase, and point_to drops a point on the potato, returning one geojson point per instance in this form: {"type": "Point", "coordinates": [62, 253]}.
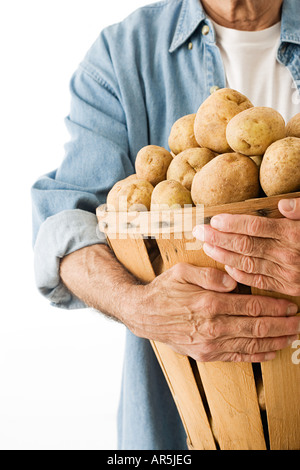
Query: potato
{"type": "Point", "coordinates": [113, 195]}
{"type": "Point", "coordinates": [230, 177]}
{"type": "Point", "coordinates": [182, 134]}
{"type": "Point", "coordinates": [170, 193]}
{"type": "Point", "coordinates": [253, 130]}
{"type": "Point", "coordinates": [214, 114]}
{"type": "Point", "coordinates": [293, 126]}
{"type": "Point", "coordinates": [186, 164]}
{"type": "Point", "coordinates": [131, 194]}
{"type": "Point", "coordinates": [152, 163]}
{"type": "Point", "coordinates": [280, 168]}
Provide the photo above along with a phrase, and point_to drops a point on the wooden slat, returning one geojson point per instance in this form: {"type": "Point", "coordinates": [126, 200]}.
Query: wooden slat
{"type": "Point", "coordinates": [281, 379]}
{"type": "Point", "coordinates": [133, 255]}
{"type": "Point", "coordinates": [229, 387]}
{"type": "Point", "coordinates": [179, 375]}
{"type": "Point", "coordinates": [232, 399]}
{"type": "Point", "coordinates": [176, 221]}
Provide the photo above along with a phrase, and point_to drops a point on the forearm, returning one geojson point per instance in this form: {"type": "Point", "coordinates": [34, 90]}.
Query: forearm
{"type": "Point", "coordinates": [96, 277]}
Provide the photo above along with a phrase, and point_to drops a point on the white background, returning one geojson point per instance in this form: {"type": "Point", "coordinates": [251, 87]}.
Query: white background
{"type": "Point", "coordinates": [60, 371]}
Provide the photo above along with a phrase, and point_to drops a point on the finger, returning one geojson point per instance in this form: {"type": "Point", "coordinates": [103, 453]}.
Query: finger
{"type": "Point", "coordinates": [215, 304]}
{"type": "Point", "coordinates": [257, 345]}
{"type": "Point", "coordinates": [290, 208]}
{"type": "Point", "coordinates": [262, 282]}
{"type": "Point", "coordinates": [242, 244]}
{"type": "Point", "coordinates": [249, 225]}
{"type": "Point", "coordinates": [247, 264]}
{"type": "Point", "coordinates": [229, 328]}
{"type": "Point", "coordinates": [208, 278]}
{"type": "Point", "coordinates": [241, 349]}
{"type": "Point", "coordinates": [238, 357]}
{"type": "Point", "coordinates": [225, 356]}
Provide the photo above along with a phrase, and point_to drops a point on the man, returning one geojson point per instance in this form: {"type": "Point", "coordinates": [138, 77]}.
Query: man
{"type": "Point", "coordinates": [140, 76]}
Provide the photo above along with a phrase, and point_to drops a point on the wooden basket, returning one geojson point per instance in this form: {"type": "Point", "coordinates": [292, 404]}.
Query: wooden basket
{"type": "Point", "coordinates": [227, 406]}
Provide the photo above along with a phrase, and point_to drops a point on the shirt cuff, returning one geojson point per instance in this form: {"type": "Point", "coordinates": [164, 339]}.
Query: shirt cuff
{"type": "Point", "coordinates": [60, 235]}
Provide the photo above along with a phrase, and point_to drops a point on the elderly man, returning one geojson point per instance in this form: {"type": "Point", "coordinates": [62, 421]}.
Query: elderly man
{"type": "Point", "coordinates": [140, 76]}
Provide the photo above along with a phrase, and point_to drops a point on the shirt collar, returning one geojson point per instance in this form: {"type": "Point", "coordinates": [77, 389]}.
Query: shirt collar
{"type": "Point", "coordinates": [290, 24]}
{"type": "Point", "coordinates": [191, 15]}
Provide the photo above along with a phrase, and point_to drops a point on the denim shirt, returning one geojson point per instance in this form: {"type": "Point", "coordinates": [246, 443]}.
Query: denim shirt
{"type": "Point", "coordinates": [136, 80]}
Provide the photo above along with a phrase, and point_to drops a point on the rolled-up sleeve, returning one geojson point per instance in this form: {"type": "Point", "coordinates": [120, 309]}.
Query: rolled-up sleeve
{"type": "Point", "coordinates": [96, 156]}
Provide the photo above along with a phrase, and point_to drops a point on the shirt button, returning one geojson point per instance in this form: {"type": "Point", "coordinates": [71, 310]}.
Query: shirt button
{"type": "Point", "coordinates": [205, 30]}
{"type": "Point", "coordinates": [213, 89]}
{"type": "Point", "coordinates": [190, 46]}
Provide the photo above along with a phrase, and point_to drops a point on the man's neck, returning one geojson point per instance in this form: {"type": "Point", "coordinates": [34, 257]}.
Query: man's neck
{"type": "Point", "coordinates": [244, 15]}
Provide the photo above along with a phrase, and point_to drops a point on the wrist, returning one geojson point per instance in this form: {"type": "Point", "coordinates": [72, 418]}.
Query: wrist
{"type": "Point", "coordinates": [130, 305]}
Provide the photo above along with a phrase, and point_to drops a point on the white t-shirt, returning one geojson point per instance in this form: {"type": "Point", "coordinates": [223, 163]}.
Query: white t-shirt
{"type": "Point", "coordinates": [251, 68]}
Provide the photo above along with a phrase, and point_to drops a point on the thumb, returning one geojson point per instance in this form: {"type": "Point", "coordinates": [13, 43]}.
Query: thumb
{"type": "Point", "coordinates": [290, 208]}
{"type": "Point", "coordinates": [208, 278]}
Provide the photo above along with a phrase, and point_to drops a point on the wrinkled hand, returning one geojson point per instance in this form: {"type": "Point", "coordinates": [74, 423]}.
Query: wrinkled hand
{"type": "Point", "coordinates": [256, 251]}
{"type": "Point", "coordinates": [193, 311]}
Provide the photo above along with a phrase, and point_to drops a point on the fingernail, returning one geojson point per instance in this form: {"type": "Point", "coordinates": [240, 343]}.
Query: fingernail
{"type": "Point", "coordinates": [217, 222]}
{"type": "Point", "coordinates": [208, 249]}
{"type": "Point", "coordinates": [270, 356]}
{"type": "Point", "coordinates": [288, 205]}
{"type": "Point", "coordinates": [227, 281]}
{"type": "Point", "coordinates": [199, 232]}
{"type": "Point", "coordinates": [292, 309]}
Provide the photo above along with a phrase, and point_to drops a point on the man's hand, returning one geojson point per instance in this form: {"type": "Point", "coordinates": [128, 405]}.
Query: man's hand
{"type": "Point", "coordinates": [191, 310]}
{"type": "Point", "coordinates": [256, 251]}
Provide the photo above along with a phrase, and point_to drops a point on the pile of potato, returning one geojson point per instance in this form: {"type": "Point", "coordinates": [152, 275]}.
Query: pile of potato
{"type": "Point", "coordinates": [229, 151]}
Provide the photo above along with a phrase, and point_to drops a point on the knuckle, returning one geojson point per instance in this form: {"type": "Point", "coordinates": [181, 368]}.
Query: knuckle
{"type": "Point", "coordinates": [243, 244]}
{"type": "Point", "coordinates": [179, 270]}
{"type": "Point", "coordinates": [255, 225]}
{"type": "Point", "coordinates": [211, 330]}
{"type": "Point", "coordinates": [209, 304]}
{"type": "Point", "coordinates": [251, 347]}
{"type": "Point", "coordinates": [253, 307]}
{"type": "Point", "coordinates": [247, 264]}
{"type": "Point", "coordinates": [236, 357]}
{"type": "Point", "coordinates": [260, 329]}
{"type": "Point", "coordinates": [260, 281]}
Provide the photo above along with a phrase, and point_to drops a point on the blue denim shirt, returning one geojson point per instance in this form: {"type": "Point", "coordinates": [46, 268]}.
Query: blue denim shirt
{"type": "Point", "coordinates": [137, 78]}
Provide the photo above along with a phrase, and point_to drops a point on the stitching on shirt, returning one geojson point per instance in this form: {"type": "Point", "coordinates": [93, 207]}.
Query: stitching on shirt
{"type": "Point", "coordinates": [291, 37]}
{"type": "Point", "coordinates": [93, 73]}
{"type": "Point", "coordinates": [182, 17]}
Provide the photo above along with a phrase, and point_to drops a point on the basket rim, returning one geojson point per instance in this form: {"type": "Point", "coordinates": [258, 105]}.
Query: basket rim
{"type": "Point", "coordinates": [154, 223]}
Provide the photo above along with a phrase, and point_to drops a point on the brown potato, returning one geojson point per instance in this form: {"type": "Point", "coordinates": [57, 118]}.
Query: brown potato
{"type": "Point", "coordinates": [113, 195]}
{"type": "Point", "coordinates": [293, 126]}
{"type": "Point", "coordinates": [253, 130]}
{"type": "Point", "coordinates": [186, 164]}
{"type": "Point", "coordinates": [170, 193]}
{"type": "Point", "coordinates": [213, 116]}
{"type": "Point", "coordinates": [280, 168]}
{"type": "Point", "coordinates": [131, 194]}
{"type": "Point", "coordinates": [152, 163]}
{"type": "Point", "coordinates": [230, 177]}
{"type": "Point", "coordinates": [182, 134]}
